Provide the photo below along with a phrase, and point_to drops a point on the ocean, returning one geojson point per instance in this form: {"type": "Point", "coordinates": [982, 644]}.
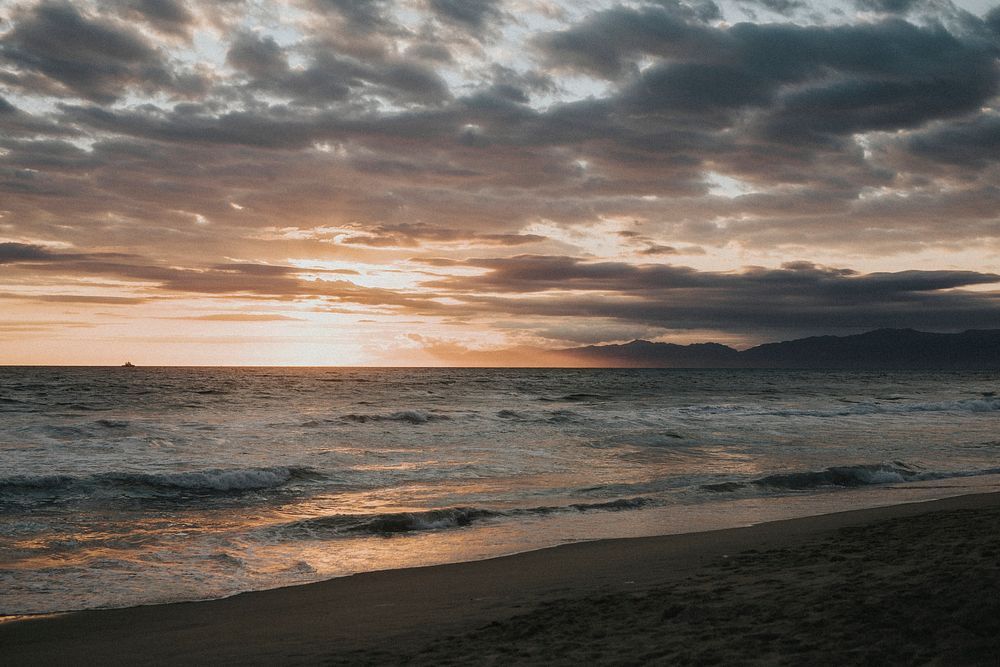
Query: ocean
{"type": "Point", "coordinates": [127, 486]}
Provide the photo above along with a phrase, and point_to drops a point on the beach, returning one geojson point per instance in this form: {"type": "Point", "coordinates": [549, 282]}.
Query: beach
{"type": "Point", "coordinates": [906, 584]}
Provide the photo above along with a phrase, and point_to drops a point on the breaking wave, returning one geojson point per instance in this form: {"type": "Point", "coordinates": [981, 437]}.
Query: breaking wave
{"type": "Point", "coordinates": [202, 481]}
{"type": "Point", "coordinates": [843, 477]}
{"type": "Point", "coordinates": [112, 423]}
{"type": "Point", "coordinates": [408, 416]}
{"type": "Point", "coordinates": [437, 519]}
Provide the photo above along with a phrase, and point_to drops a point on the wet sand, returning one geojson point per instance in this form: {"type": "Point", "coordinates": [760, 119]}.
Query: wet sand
{"type": "Point", "coordinates": [908, 584]}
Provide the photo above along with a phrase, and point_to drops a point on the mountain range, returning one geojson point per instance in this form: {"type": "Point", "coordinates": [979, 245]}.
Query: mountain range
{"type": "Point", "coordinates": [880, 349]}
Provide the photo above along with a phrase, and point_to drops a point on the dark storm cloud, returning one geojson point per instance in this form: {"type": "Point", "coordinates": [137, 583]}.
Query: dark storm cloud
{"type": "Point", "coordinates": [807, 81]}
{"type": "Point", "coordinates": [800, 296]}
{"type": "Point", "coordinates": [765, 314]}
{"type": "Point", "coordinates": [20, 252]}
{"type": "Point", "coordinates": [888, 6]}
{"type": "Point", "coordinates": [257, 55]}
{"type": "Point", "coordinates": [91, 57]}
{"type": "Point", "coordinates": [993, 20]}
{"type": "Point", "coordinates": [655, 249]}
{"type": "Point", "coordinates": [474, 14]}
{"type": "Point", "coordinates": [606, 43]}
{"type": "Point", "coordinates": [429, 51]}
{"type": "Point", "coordinates": [972, 143]}
{"type": "Point", "coordinates": [251, 128]}
{"type": "Point", "coordinates": [16, 122]}
{"type": "Point", "coordinates": [278, 126]}
{"type": "Point", "coordinates": [364, 15]}
{"type": "Point", "coordinates": [332, 76]}
{"type": "Point", "coordinates": [655, 134]}
{"type": "Point", "coordinates": [15, 253]}
{"type": "Point", "coordinates": [884, 104]}
{"type": "Point", "coordinates": [168, 16]}
{"type": "Point", "coordinates": [696, 88]}
{"type": "Point", "coordinates": [538, 273]}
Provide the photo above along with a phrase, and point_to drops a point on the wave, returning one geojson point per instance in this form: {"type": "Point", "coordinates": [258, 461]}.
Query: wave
{"type": "Point", "coordinates": [112, 423]}
{"type": "Point", "coordinates": [408, 416]}
{"type": "Point", "coordinates": [985, 403]}
{"type": "Point", "coordinates": [571, 398]}
{"type": "Point", "coordinates": [11, 401]}
{"type": "Point", "coordinates": [545, 416]}
{"type": "Point", "coordinates": [843, 477]}
{"type": "Point", "coordinates": [202, 481]}
{"type": "Point", "coordinates": [437, 519]}
{"type": "Point", "coordinates": [401, 522]}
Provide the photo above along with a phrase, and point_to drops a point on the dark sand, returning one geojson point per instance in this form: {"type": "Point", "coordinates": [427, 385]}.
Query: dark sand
{"type": "Point", "coordinates": [910, 584]}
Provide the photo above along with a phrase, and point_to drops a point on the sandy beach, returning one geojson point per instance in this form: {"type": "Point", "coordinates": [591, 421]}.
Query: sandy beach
{"type": "Point", "coordinates": [907, 584]}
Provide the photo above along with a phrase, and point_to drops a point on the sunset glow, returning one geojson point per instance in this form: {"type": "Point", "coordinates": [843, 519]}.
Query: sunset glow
{"type": "Point", "coordinates": [428, 182]}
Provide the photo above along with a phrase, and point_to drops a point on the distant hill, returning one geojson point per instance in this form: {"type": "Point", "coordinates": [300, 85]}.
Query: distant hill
{"type": "Point", "coordinates": [881, 349]}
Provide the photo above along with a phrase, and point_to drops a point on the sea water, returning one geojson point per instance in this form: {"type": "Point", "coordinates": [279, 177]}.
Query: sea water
{"type": "Point", "coordinates": [125, 486]}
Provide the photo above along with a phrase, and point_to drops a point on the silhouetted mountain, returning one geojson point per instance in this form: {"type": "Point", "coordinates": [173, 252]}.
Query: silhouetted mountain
{"type": "Point", "coordinates": [881, 349]}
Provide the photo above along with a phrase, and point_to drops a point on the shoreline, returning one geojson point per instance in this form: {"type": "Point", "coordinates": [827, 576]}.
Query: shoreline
{"type": "Point", "coordinates": [660, 522]}
{"type": "Point", "coordinates": [358, 616]}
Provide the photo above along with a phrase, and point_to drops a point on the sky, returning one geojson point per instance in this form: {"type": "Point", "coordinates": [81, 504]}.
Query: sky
{"type": "Point", "coordinates": [428, 182]}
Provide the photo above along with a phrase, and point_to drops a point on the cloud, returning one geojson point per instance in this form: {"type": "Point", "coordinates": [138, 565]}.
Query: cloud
{"type": "Point", "coordinates": [88, 57]}
{"type": "Point", "coordinates": [785, 7]}
{"type": "Point", "coordinates": [20, 252]}
{"type": "Point", "coordinates": [800, 297]}
{"type": "Point", "coordinates": [540, 273]}
{"type": "Point", "coordinates": [168, 16]}
{"type": "Point", "coordinates": [606, 43]}
{"type": "Point", "coordinates": [242, 317]}
{"type": "Point", "coordinates": [257, 55]}
{"type": "Point", "coordinates": [807, 81]}
{"type": "Point", "coordinates": [992, 20]}
{"type": "Point", "coordinates": [331, 75]}
{"type": "Point", "coordinates": [409, 235]}
{"type": "Point", "coordinates": [13, 253]}
{"type": "Point", "coordinates": [81, 299]}
{"type": "Point", "coordinates": [888, 6]}
{"type": "Point", "coordinates": [261, 282]}
{"type": "Point", "coordinates": [364, 15]}
{"type": "Point", "coordinates": [16, 122]}
{"type": "Point", "coordinates": [655, 249]}
{"type": "Point", "coordinates": [190, 150]}
{"type": "Point", "coordinates": [476, 15]}
{"type": "Point", "coordinates": [972, 143]}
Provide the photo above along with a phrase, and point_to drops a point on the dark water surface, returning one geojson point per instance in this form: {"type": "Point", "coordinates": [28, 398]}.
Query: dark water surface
{"type": "Point", "coordinates": [126, 486]}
